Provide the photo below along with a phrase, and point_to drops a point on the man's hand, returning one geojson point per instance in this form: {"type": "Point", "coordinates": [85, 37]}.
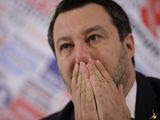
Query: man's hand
{"type": "Point", "coordinates": [95, 95]}
{"type": "Point", "coordinates": [110, 100]}
{"type": "Point", "coordinates": [82, 93]}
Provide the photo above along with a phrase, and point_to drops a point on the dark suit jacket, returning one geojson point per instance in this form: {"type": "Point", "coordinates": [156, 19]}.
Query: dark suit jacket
{"type": "Point", "coordinates": [147, 101]}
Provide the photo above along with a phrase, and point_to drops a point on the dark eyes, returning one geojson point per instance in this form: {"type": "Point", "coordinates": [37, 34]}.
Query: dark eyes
{"type": "Point", "coordinates": [66, 46]}
{"type": "Point", "coordinates": [93, 38]}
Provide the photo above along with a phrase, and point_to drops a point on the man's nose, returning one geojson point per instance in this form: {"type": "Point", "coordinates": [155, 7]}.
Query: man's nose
{"type": "Point", "coordinates": [82, 54]}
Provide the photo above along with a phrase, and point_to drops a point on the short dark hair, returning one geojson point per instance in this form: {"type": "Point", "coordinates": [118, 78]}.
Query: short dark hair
{"type": "Point", "coordinates": [118, 16]}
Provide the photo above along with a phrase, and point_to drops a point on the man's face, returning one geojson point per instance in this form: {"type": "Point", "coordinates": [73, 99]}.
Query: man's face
{"type": "Point", "coordinates": [88, 33]}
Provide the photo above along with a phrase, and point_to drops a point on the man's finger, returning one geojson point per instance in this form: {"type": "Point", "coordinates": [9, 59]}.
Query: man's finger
{"type": "Point", "coordinates": [96, 79]}
{"type": "Point", "coordinates": [103, 71]}
{"type": "Point", "coordinates": [121, 91]}
{"type": "Point", "coordinates": [83, 88]}
{"type": "Point", "coordinates": [88, 104]}
{"type": "Point", "coordinates": [76, 91]}
{"type": "Point", "coordinates": [74, 77]}
{"type": "Point", "coordinates": [105, 75]}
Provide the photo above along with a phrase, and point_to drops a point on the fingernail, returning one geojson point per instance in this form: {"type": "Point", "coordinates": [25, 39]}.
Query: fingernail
{"type": "Point", "coordinates": [76, 65]}
{"type": "Point", "coordinates": [97, 61]}
{"type": "Point", "coordinates": [81, 64]}
{"type": "Point", "coordinates": [91, 61]}
{"type": "Point", "coordinates": [121, 86]}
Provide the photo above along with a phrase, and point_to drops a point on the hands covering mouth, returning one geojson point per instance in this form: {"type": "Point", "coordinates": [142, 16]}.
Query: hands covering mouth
{"type": "Point", "coordinates": [95, 95]}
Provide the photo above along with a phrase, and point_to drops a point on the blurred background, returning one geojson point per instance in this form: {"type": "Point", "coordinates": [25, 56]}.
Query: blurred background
{"type": "Point", "coordinates": [30, 85]}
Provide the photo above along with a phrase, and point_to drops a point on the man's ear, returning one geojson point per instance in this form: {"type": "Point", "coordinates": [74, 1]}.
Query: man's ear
{"type": "Point", "coordinates": [129, 45]}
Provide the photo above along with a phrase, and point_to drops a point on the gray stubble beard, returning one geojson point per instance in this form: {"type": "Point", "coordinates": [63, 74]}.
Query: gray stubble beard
{"type": "Point", "coordinates": [121, 74]}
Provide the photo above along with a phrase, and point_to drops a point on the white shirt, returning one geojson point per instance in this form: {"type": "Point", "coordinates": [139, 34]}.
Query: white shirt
{"type": "Point", "coordinates": [131, 99]}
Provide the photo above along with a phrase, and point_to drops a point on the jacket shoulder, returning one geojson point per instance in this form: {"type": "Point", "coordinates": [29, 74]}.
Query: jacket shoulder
{"type": "Point", "coordinates": [67, 113]}
{"type": "Point", "coordinates": [155, 83]}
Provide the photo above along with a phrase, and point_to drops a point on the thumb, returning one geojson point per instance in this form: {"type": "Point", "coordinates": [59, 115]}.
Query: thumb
{"type": "Point", "coordinates": [121, 91]}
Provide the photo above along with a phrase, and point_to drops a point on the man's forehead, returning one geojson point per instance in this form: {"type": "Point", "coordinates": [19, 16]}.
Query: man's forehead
{"type": "Point", "coordinates": [83, 20]}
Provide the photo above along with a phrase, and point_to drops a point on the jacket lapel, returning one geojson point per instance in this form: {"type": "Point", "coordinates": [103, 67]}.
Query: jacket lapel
{"type": "Point", "coordinates": [145, 100]}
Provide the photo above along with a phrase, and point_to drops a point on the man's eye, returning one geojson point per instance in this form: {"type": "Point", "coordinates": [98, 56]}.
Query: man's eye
{"type": "Point", "coordinates": [66, 46]}
{"type": "Point", "coordinates": [93, 38]}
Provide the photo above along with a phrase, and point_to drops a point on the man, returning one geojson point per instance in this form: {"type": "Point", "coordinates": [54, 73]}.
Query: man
{"type": "Point", "coordinates": [94, 49]}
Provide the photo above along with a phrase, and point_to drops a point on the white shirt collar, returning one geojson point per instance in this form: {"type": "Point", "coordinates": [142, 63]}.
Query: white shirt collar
{"type": "Point", "coordinates": [131, 99]}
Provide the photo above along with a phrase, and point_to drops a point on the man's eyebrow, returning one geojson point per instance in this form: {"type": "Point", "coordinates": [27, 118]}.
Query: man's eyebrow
{"type": "Point", "coordinates": [63, 38]}
{"type": "Point", "coordinates": [92, 29]}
